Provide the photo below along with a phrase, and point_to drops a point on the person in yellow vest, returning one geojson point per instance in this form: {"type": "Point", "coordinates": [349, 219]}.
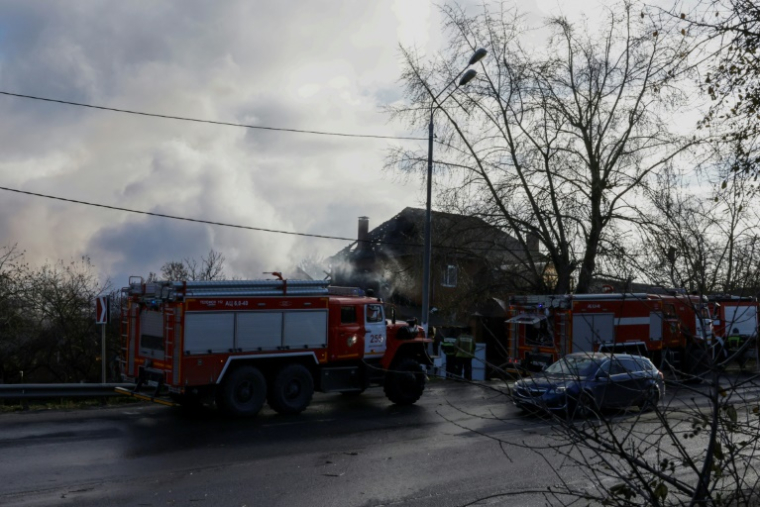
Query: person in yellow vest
{"type": "Point", "coordinates": [465, 353]}
{"type": "Point", "coordinates": [734, 340]}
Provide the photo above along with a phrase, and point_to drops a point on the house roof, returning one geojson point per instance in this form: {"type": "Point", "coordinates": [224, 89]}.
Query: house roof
{"type": "Point", "coordinates": [455, 235]}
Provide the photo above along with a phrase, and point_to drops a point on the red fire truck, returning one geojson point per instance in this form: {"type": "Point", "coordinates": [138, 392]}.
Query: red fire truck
{"type": "Point", "coordinates": [240, 343]}
{"type": "Point", "coordinates": [675, 328]}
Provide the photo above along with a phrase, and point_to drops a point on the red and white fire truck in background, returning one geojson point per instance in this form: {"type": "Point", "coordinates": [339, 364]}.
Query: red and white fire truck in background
{"type": "Point", "coordinates": [240, 343]}
{"type": "Point", "coordinates": [679, 329]}
{"type": "Point", "coordinates": [734, 314]}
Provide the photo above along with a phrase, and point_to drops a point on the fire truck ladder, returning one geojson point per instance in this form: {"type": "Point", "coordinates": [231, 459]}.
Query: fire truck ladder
{"type": "Point", "coordinates": [220, 288]}
{"type": "Point", "coordinates": [124, 335]}
{"type": "Point", "coordinates": [562, 331]}
{"type": "Point", "coordinates": [168, 341]}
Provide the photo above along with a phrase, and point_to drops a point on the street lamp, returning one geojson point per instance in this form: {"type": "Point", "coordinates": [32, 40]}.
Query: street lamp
{"type": "Point", "coordinates": [467, 75]}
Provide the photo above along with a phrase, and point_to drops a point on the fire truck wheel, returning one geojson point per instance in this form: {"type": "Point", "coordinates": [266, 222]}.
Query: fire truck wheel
{"type": "Point", "coordinates": [242, 392]}
{"type": "Point", "coordinates": [292, 390]}
{"type": "Point", "coordinates": [404, 382]}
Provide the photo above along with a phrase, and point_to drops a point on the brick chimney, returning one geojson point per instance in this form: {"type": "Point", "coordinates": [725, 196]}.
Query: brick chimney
{"type": "Point", "coordinates": [363, 236]}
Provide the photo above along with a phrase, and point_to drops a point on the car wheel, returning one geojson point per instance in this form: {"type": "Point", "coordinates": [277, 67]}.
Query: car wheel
{"type": "Point", "coordinates": [583, 408]}
{"type": "Point", "coordinates": [652, 398]}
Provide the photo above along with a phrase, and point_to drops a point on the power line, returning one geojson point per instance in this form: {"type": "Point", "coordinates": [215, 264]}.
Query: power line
{"type": "Point", "coordinates": [236, 226]}
{"type": "Point", "coordinates": [209, 222]}
{"type": "Point", "coordinates": [212, 122]}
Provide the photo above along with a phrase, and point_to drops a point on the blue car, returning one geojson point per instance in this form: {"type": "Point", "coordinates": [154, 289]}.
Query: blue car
{"type": "Point", "coordinates": [583, 383]}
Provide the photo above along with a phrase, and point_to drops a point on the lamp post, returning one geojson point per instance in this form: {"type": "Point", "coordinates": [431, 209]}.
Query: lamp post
{"type": "Point", "coordinates": [466, 78]}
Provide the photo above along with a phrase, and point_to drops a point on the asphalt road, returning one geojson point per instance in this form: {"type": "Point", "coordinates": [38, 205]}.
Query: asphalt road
{"type": "Point", "coordinates": [360, 451]}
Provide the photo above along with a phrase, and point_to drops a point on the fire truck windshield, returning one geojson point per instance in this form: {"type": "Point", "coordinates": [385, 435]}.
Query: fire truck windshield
{"type": "Point", "coordinates": [374, 313]}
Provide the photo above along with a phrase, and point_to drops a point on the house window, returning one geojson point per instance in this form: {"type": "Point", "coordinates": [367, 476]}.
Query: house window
{"type": "Point", "coordinates": [449, 276]}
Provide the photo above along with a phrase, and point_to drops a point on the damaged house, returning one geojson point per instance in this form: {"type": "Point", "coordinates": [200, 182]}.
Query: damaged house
{"type": "Point", "coordinates": [472, 262]}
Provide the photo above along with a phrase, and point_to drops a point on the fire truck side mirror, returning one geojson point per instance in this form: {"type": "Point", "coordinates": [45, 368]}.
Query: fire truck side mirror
{"type": "Point", "coordinates": [393, 315]}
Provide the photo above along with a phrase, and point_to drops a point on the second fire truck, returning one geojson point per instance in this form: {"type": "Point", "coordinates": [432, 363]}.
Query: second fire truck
{"type": "Point", "coordinates": [679, 329]}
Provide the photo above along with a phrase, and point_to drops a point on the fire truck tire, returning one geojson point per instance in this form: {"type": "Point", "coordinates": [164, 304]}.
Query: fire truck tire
{"type": "Point", "coordinates": [404, 382]}
{"type": "Point", "coordinates": [243, 392]}
{"type": "Point", "coordinates": [291, 390]}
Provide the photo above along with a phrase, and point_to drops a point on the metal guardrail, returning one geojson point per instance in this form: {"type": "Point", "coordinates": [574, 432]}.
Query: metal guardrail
{"type": "Point", "coordinates": [32, 391]}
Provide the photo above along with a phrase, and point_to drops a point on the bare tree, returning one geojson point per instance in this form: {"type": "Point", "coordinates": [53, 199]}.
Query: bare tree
{"type": "Point", "coordinates": [15, 336]}
{"type": "Point", "coordinates": [553, 145]}
{"type": "Point", "coordinates": [728, 32]}
{"type": "Point", "coordinates": [703, 244]}
{"type": "Point", "coordinates": [61, 299]}
{"type": "Point", "coordinates": [175, 270]}
{"type": "Point", "coordinates": [210, 267]}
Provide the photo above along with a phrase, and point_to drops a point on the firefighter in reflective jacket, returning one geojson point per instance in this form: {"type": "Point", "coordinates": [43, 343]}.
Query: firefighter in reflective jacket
{"type": "Point", "coordinates": [465, 353]}
{"type": "Point", "coordinates": [734, 340]}
{"type": "Point", "coordinates": [734, 343]}
{"type": "Point", "coordinates": [449, 347]}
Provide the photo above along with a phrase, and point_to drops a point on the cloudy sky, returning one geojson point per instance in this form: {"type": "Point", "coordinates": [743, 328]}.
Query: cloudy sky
{"type": "Point", "coordinates": [316, 65]}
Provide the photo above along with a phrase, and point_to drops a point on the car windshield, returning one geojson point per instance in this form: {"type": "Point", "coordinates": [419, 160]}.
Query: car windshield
{"type": "Point", "coordinates": [576, 366]}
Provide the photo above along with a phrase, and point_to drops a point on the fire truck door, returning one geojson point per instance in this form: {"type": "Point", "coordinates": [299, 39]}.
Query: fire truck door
{"type": "Point", "coordinates": [592, 328]}
{"type": "Point", "coordinates": [655, 326]}
{"type": "Point", "coordinates": [346, 338]}
{"type": "Point", "coordinates": [703, 324]}
{"type": "Point", "coordinates": [375, 337]}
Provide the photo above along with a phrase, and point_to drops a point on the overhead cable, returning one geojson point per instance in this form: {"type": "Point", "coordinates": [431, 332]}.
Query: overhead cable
{"type": "Point", "coordinates": [162, 215]}
{"type": "Point", "coordinates": [212, 122]}
{"type": "Point", "coordinates": [250, 228]}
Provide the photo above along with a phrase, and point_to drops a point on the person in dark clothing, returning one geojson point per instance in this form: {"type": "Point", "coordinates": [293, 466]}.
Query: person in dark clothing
{"type": "Point", "coordinates": [465, 352]}
{"type": "Point", "coordinates": [437, 340]}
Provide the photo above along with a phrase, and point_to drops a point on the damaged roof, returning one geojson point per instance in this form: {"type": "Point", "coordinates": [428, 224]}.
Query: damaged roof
{"type": "Point", "coordinates": [457, 235]}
